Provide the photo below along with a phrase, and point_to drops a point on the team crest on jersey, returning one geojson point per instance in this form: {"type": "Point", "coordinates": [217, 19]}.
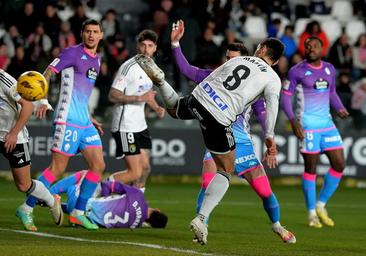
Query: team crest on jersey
{"type": "Point", "coordinates": [84, 57]}
{"type": "Point", "coordinates": [321, 84]}
{"type": "Point", "coordinates": [327, 71]}
{"type": "Point", "coordinates": [308, 73]}
{"type": "Point", "coordinates": [92, 74]}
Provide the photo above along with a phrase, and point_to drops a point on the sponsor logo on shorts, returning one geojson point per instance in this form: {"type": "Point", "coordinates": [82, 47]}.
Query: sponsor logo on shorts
{"type": "Point", "coordinates": [18, 154]}
{"type": "Point", "coordinates": [333, 138]}
{"type": "Point", "coordinates": [213, 95]}
{"type": "Point", "coordinates": [92, 138]}
{"type": "Point", "coordinates": [246, 158]}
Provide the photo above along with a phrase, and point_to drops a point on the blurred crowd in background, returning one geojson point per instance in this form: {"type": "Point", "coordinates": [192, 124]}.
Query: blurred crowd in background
{"type": "Point", "coordinates": [32, 34]}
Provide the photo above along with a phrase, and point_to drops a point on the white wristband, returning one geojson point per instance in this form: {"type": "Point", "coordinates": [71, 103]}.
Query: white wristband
{"type": "Point", "coordinates": [175, 44]}
{"type": "Point", "coordinates": [43, 101]}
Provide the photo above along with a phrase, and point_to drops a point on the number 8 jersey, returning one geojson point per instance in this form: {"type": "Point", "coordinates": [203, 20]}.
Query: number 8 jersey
{"type": "Point", "coordinates": [235, 85]}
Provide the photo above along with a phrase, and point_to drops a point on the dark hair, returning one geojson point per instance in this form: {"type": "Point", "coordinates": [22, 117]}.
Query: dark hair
{"type": "Point", "coordinates": [238, 47]}
{"type": "Point", "coordinates": [91, 22]}
{"type": "Point", "coordinates": [275, 48]}
{"type": "Point", "coordinates": [157, 219]}
{"type": "Point", "coordinates": [147, 34]}
{"type": "Point", "coordinates": [313, 38]}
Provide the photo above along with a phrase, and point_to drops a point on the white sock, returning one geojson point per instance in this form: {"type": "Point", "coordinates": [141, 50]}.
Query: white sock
{"type": "Point", "coordinates": [26, 208]}
{"type": "Point", "coordinates": [320, 204]}
{"type": "Point", "coordinates": [215, 191]}
{"type": "Point", "coordinates": [142, 189]}
{"type": "Point", "coordinates": [40, 191]}
{"type": "Point", "coordinates": [276, 225]}
{"type": "Point", "coordinates": [170, 97]}
{"type": "Point", "coordinates": [312, 212]}
{"type": "Point", "coordinates": [77, 212]}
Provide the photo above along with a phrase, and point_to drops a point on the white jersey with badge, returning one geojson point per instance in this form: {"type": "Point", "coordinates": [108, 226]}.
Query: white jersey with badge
{"type": "Point", "coordinates": [131, 80]}
{"type": "Point", "coordinates": [235, 85]}
{"type": "Point", "coordinates": [9, 108]}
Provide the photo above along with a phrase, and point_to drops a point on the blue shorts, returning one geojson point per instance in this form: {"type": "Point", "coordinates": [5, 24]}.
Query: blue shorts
{"type": "Point", "coordinates": [318, 141]}
{"type": "Point", "coordinates": [69, 139]}
{"type": "Point", "coordinates": [245, 158]}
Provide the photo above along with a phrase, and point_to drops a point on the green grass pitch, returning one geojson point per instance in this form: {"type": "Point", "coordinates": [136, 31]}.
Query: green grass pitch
{"type": "Point", "coordinates": [238, 226]}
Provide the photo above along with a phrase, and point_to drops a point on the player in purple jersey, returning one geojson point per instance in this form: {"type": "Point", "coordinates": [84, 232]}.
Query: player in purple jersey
{"type": "Point", "coordinates": [314, 82]}
{"type": "Point", "coordinates": [247, 165]}
{"type": "Point", "coordinates": [113, 205]}
{"type": "Point", "coordinates": [74, 130]}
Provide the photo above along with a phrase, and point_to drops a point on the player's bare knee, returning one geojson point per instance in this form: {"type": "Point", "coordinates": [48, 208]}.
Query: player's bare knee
{"type": "Point", "coordinates": [98, 167]}
{"type": "Point", "coordinates": [339, 166]}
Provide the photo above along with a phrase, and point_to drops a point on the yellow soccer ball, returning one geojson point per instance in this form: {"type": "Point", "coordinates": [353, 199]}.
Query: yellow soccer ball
{"type": "Point", "coordinates": [32, 86]}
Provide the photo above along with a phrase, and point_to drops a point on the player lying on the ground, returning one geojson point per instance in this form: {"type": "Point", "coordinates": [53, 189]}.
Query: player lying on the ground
{"type": "Point", "coordinates": [113, 205]}
{"type": "Point", "coordinates": [247, 163]}
{"type": "Point", "coordinates": [15, 113]}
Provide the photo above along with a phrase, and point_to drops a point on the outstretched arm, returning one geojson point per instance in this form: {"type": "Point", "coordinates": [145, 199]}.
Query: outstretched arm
{"type": "Point", "coordinates": [193, 73]}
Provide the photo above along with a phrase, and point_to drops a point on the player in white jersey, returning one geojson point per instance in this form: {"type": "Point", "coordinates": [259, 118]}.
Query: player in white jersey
{"type": "Point", "coordinates": [247, 164]}
{"type": "Point", "coordinates": [15, 113]}
{"type": "Point", "coordinates": [215, 103]}
{"type": "Point", "coordinates": [131, 90]}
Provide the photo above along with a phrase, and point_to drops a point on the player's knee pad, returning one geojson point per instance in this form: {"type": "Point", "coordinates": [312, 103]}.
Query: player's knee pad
{"type": "Point", "coordinates": [206, 178]}
{"type": "Point", "coordinates": [261, 186]}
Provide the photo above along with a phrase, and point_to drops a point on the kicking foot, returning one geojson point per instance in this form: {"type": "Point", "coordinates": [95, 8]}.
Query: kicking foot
{"type": "Point", "coordinates": [82, 220]}
{"type": "Point", "coordinates": [314, 222]}
{"type": "Point", "coordinates": [286, 236]}
{"type": "Point", "coordinates": [323, 216]}
{"type": "Point", "coordinates": [151, 69]}
{"type": "Point", "coordinates": [26, 219]}
{"type": "Point", "coordinates": [56, 211]}
{"type": "Point", "coordinates": [200, 231]}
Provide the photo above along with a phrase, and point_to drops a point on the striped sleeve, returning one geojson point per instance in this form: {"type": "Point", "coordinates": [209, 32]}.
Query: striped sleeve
{"type": "Point", "coordinates": [121, 80]}
{"type": "Point", "coordinates": [9, 85]}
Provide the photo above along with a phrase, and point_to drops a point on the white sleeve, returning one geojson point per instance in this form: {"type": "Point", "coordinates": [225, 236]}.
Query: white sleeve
{"type": "Point", "coordinates": [271, 96]}
{"type": "Point", "coordinates": [9, 85]}
{"type": "Point", "coordinates": [121, 79]}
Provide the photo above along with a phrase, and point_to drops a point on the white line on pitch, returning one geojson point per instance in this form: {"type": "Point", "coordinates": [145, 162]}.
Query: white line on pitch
{"type": "Point", "coordinates": [152, 246]}
{"type": "Point", "coordinates": [227, 202]}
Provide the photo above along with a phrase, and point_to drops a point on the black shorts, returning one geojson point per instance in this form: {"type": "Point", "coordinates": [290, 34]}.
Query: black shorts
{"type": "Point", "coordinates": [130, 143]}
{"type": "Point", "coordinates": [218, 138]}
{"type": "Point", "coordinates": [17, 158]}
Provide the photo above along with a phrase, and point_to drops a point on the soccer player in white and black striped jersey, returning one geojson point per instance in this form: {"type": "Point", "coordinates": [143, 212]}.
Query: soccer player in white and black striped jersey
{"type": "Point", "coordinates": [15, 113]}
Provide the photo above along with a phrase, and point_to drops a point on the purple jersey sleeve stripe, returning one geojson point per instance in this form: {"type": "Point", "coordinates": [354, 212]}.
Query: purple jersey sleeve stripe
{"type": "Point", "coordinates": [286, 105]}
